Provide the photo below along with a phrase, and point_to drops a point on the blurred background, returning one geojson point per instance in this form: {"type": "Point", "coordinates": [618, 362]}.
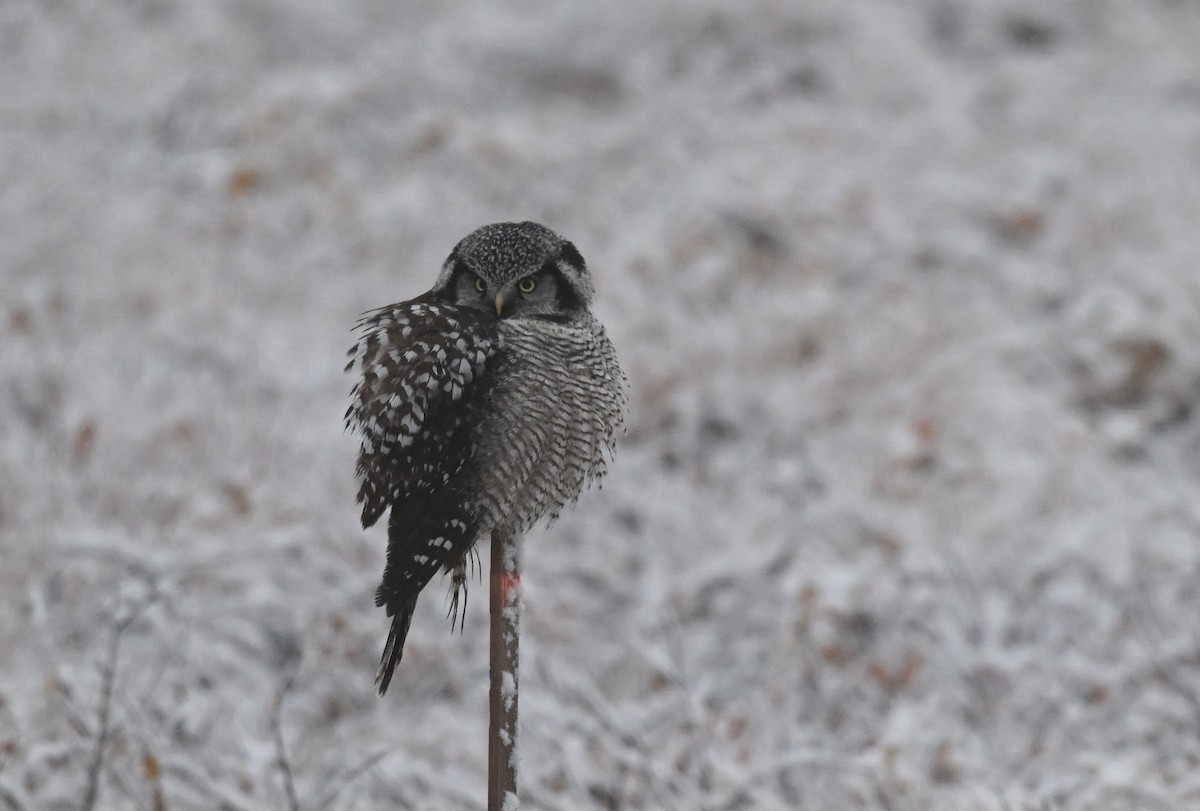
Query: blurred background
{"type": "Point", "coordinates": [907, 516]}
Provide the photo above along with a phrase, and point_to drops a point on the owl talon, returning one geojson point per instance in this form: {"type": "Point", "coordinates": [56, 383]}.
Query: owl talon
{"type": "Point", "coordinates": [458, 585]}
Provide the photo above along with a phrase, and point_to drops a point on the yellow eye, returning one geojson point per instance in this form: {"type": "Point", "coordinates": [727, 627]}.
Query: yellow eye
{"type": "Point", "coordinates": [479, 288]}
{"type": "Point", "coordinates": [526, 285]}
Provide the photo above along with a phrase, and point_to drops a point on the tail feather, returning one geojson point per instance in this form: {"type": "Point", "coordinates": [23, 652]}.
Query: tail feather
{"type": "Point", "coordinates": [393, 649]}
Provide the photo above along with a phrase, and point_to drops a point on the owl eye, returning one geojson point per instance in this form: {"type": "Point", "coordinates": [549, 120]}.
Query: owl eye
{"type": "Point", "coordinates": [526, 285]}
{"type": "Point", "coordinates": [479, 286]}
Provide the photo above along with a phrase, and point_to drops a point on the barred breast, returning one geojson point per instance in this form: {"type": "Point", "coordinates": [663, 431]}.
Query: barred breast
{"type": "Point", "coordinates": [557, 404]}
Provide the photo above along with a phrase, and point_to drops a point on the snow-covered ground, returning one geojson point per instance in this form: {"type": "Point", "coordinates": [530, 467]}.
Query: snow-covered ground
{"type": "Point", "coordinates": [908, 514]}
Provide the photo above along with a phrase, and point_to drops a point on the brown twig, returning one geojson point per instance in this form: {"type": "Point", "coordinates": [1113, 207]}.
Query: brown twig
{"type": "Point", "coordinates": [349, 777]}
{"type": "Point", "coordinates": [108, 680]}
{"type": "Point", "coordinates": [505, 605]}
{"type": "Point", "coordinates": [281, 755]}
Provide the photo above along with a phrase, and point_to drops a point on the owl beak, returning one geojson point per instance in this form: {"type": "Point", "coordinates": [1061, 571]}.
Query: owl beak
{"type": "Point", "coordinates": [499, 303]}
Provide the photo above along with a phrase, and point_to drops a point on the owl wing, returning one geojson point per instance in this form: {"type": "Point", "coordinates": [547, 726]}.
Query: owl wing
{"type": "Point", "coordinates": [422, 365]}
{"type": "Point", "coordinates": [419, 361]}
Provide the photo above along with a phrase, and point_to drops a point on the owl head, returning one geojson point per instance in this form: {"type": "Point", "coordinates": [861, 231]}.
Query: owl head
{"type": "Point", "coordinates": [516, 270]}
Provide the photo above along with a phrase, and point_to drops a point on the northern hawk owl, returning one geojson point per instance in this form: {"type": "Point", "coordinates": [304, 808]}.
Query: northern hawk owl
{"type": "Point", "coordinates": [483, 405]}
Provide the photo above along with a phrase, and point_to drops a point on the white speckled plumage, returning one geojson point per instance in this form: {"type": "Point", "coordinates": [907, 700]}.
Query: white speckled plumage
{"type": "Point", "coordinates": [473, 420]}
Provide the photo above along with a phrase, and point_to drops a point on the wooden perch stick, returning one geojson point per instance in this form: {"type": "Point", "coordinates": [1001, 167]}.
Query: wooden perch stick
{"type": "Point", "coordinates": [505, 602]}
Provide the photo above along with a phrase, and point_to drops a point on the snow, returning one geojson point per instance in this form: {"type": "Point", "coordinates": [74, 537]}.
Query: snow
{"type": "Point", "coordinates": [907, 513]}
{"type": "Point", "coordinates": [508, 688]}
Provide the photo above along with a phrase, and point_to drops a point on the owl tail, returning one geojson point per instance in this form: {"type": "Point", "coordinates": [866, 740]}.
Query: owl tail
{"type": "Point", "coordinates": [393, 649]}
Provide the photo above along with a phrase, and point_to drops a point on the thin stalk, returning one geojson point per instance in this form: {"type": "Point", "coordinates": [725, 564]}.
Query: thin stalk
{"type": "Point", "coordinates": [505, 603]}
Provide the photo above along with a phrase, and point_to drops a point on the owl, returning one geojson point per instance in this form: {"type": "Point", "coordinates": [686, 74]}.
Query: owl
{"type": "Point", "coordinates": [482, 406]}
